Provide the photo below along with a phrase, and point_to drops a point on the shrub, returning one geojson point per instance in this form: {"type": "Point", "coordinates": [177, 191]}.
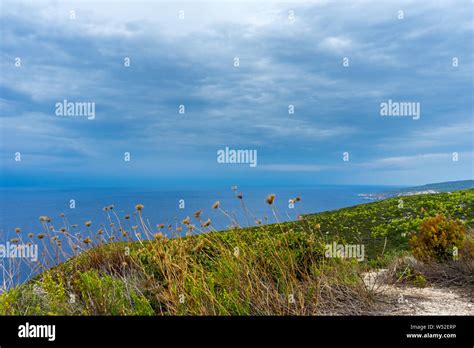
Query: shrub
{"type": "Point", "coordinates": [8, 301]}
{"type": "Point", "coordinates": [467, 248]}
{"type": "Point", "coordinates": [56, 294]}
{"type": "Point", "coordinates": [420, 281]}
{"type": "Point", "coordinates": [436, 238]}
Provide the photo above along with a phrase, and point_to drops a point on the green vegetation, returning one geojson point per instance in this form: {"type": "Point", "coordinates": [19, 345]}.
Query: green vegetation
{"type": "Point", "coordinates": [277, 269]}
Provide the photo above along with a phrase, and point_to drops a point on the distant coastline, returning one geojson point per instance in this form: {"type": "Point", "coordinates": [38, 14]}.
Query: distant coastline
{"type": "Point", "coordinates": [419, 190]}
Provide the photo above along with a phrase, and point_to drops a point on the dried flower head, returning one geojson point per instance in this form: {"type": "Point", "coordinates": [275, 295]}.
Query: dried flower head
{"type": "Point", "coordinates": [198, 214]}
{"type": "Point", "coordinates": [139, 207]}
{"type": "Point", "coordinates": [206, 223]}
{"type": "Point", "coordinates": [44, 218]}
{"type": "Point", "coordinates": [88, 223]}
{"type": "Point", "coordinates": [18, 230]}
{"type": "Point", "coordinates": [127, 217]}
{"type": "Point", "coordinates": [270, 198]}
{"type": "Point", "coordinates": [87, 241]}
{"type": "Point", "coordinates": [186, 221]}
{"type": "Point", "coordinates": [216, 205]}
{"type": "Point", "coordinates": [41, 236]}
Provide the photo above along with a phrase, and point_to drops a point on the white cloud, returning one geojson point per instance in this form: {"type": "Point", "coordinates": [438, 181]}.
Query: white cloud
{"type": "Point", "coordinates": [300, 129]}
{"type": "Point", "coordinates": [418, 160]}
{"type": "Point", "coordinates": [337, 45]}
{"type": "Point", "coordinates": [294, 167]}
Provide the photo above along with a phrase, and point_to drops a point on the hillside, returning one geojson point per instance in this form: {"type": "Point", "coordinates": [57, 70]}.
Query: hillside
{"type": "Point", "coordinates": [445, 186]}
{"type": "Point", "coordinates": [448, 186]}
{"type": "Point", "coordinates": [280, 268]}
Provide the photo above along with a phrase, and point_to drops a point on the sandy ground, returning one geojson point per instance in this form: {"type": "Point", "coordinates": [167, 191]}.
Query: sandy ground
{"type": "Point", "coordinates": [412, 300]}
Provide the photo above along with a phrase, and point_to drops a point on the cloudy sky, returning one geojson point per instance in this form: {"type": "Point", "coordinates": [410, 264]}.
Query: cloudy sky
{"type": "Point", "coordinates": [289, 54]}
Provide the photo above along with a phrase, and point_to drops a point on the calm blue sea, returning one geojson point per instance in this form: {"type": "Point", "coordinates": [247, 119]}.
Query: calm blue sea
{"type": "Point", "coordinates": [21, 207]}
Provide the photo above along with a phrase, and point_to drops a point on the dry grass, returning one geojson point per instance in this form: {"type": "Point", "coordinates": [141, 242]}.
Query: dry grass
{"type": "Point", "coordinates": [450, 273]}
{"type": "Point", "coordinates": [265, 270]}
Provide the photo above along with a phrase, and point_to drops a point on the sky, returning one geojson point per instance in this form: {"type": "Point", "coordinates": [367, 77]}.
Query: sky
{"type": "Point", "coordinates": [184, 53]}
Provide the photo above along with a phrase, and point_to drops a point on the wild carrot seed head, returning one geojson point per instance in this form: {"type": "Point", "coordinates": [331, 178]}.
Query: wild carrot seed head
{"type": "Point", "coordinates": [270, 198]}
{"type": "Point", "coordinates": [198, 214]}
{"type": "Point", "coordinates": [206, 223]}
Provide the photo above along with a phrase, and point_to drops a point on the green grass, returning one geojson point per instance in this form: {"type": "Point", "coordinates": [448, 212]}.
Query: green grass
{"type": "Point", "coordinates": [277, 269]}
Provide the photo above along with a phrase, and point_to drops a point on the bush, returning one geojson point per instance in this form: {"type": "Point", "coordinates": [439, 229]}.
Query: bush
{"type": "Point", "coordinates": [467, 248]}
{"type": "Point", "coordinates": [436, 239]}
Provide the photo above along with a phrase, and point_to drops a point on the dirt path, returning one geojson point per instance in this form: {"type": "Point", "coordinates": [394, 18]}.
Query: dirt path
{"type": "Point", "coordinates": [412, 300]}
